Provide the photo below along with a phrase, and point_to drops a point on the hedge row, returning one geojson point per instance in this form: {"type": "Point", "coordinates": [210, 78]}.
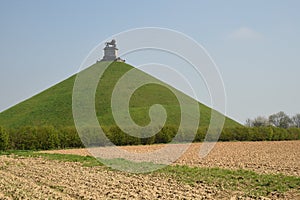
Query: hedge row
{"type": "Point", "coordinates": [48, 137]}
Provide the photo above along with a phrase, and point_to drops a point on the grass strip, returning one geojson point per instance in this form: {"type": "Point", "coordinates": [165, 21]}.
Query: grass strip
{"type": "Point", "coordinates": [85, 160]}
{"type": "Point", "coordinates": [251, 183]}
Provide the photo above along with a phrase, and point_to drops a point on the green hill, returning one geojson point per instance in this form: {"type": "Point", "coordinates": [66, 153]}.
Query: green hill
{"type": "Point", "coordinates": [54, 105]}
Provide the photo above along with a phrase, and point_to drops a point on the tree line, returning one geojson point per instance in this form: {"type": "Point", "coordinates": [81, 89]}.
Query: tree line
{"type": "Point", "coordinates": [48, 137]}
{"type": "Point", "coordinates": [280, 119]}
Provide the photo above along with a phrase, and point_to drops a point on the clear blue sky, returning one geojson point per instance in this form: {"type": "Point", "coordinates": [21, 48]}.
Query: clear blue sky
{"type": "Point", "coordinates": [255, 44]}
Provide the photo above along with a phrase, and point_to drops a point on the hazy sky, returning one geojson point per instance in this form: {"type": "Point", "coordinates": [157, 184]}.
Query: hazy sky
{"type": "Point", "coordinates": [255, 44]}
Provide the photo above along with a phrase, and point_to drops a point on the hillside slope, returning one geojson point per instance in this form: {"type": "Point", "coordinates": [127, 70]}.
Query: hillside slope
{"type": "Point", "coordinates": [54, 105]}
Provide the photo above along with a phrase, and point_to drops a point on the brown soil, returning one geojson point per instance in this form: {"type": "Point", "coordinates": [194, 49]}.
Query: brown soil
{"type": "Point", "coordinates": [38, 178]}
{"type": "Point", "coordinates": [263, 157]}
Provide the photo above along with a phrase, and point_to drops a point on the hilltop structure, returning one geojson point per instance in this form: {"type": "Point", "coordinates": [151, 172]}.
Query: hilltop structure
{"type": "Point", "coordinates": [111, 52]}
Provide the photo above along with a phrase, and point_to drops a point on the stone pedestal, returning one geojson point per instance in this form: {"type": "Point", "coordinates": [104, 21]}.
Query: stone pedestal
{"type": "Point", "coordinates": [111, 52]}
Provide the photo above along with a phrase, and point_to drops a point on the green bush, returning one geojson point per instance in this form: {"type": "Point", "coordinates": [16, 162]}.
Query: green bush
{"type": "Point", "coordinates": [164, 135]}
{"type": "Point", "coordinates": [48, 137]}
{"type": "Point", "coordinates": [280, 134]}
{"type": "Point", "coordinates": [260, 133]}
{"type": "Point", "coordinates": [184, 135]}
{"type": "Point", "coordinates": [294, 133]}
{"type": "Point", "coordinates": [145, 139]}
{"type": "Point", "coordinates": [93, 137]}
{"type": "Point", "coordinates": [25, 138]}
{"type": "Point", "coordinates": [200, 135]}
{"type": "Point", "coordinates": [69, 138]}
{"type": "Point", "coordinates": [116, 136]}
{"type": "Point", "coordinates": [213, 134]}
{"type": "Point", "coordinates": [4, 138]}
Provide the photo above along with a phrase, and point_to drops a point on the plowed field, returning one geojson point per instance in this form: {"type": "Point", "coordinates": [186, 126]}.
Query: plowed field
{"type": "Point", "coordinates": [41, 178]}
{"type": "Point", "coordinates": [263, 157]}
{"type": "Point", "coordinates": [37, 178]}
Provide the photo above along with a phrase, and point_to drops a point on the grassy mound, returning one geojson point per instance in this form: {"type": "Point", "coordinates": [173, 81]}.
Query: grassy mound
{"type": "Point", "coordinates": [54, 105]}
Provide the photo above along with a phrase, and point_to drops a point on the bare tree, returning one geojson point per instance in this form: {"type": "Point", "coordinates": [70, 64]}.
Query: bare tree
{"type": "Point", "coordinates": [280, 119]}
{"type": "Point", "coordinates": [248, 122]}
{"type": "Point", "coordinates": [260, 121]}
{"type": "Point", "coordinates": [296, 120]}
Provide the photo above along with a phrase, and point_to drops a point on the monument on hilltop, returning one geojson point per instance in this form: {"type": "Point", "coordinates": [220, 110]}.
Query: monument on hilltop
{"type": "Point", "coordinates": [111, 52]}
